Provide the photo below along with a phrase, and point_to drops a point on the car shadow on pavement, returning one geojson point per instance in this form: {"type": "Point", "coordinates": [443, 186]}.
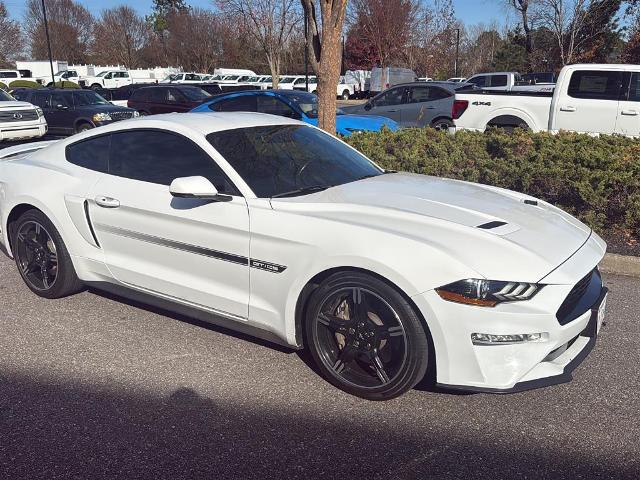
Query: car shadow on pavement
{"type": "Point", "coordinates": [59, 428]}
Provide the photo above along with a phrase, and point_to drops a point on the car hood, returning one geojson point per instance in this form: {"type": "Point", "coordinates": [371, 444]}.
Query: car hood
{"type": "Point", "coordinates": [491, 230]}
{"type": "Point", "coordinates": [10, 105]}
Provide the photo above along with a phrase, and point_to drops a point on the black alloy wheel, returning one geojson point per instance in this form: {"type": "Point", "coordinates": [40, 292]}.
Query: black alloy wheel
{"type": "Point", "coordinates": [36, 255]}
{"type": "Point", "coordinates": [41, 256]}
{"type": "Point", "coordinates": [365, 338]}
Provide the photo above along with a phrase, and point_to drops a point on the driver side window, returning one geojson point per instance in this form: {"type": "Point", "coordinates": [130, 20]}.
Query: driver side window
{"type": "Point", "coordinates": [275, 106]}
{"type": "Point", "coordinates": [390, 97]}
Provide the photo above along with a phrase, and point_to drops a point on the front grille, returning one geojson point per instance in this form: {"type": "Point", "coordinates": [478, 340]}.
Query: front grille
{"type": "Point", "coordinates": [18, 115]}
{"type": "Point", "coordinates": [581, 297]}
{"type": "Point", "coordinates": [121, 115]}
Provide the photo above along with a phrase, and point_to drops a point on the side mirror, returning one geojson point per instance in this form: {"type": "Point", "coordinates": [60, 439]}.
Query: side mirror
{"type": "Point", "coordinates": [196, 187]}
{"type": "Point", "coordinates": [368, 106]}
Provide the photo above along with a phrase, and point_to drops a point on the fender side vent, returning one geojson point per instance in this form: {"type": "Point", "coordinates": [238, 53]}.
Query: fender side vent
{"type": "Point", "coordinates": [490, 225]}
{"type": "Point", "coordinates": [531, 202]}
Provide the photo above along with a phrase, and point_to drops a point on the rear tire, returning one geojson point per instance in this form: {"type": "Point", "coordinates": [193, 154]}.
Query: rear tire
{"type": "Point", "coordinates": [345, 95]}
{"type": "Point", "coordinates": [41, 256]}
{"type": "Point", "coordinates": [365, 337]}
{"type": "Point", "coordinates": [442, 124]}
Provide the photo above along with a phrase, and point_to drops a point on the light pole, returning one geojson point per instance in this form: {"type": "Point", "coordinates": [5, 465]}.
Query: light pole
{"type": "Point", "coordinates": [455, 65]}
{"type": "Point", "coordinates": [46, 31]}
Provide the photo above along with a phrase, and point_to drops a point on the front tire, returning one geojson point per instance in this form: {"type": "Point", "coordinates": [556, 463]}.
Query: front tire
{"type": "Point", "coordinates": [83, 127]}
{"type": "Point", "coordinates": [442, 124]}
{"type": "Point", "coordinates": [42, 258]}
{"type": "Point", "coordinates": [345, 95]}
{"type": "Point", "coordinates": [364, 336]}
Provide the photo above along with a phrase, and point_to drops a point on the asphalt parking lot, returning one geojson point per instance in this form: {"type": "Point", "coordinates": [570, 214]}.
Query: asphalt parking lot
{"type": "Point", "coordinates": [91, 387]}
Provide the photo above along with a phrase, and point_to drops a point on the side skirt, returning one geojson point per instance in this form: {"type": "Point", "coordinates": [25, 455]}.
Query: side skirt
{"type": "Point", "coordinates": [190, 312]}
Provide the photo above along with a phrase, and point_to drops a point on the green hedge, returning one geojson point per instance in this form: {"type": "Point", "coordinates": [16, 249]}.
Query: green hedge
{"type": "Point", "coordinates": [596, 179]}
{"type": "Point", "coordinates": [3, 87]}
{"type": "Point", "coordinates": [66, 84]}
{"type": "Point", "coordinates": [24, 84]}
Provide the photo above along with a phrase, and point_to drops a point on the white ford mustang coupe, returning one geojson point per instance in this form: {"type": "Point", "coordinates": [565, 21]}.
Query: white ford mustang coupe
{"type": "Point", "coordinates": [272, 227]}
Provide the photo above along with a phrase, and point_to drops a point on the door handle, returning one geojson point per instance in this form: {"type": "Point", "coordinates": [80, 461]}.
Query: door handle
{"type": "Point", "coordinates": [629, 112]}
{"type": "Point", "coordinates": [568, 108]}
{"type": "Point", "coordinates": [107, 202]}
{"type": "Point", "coordinates": [391, 111]}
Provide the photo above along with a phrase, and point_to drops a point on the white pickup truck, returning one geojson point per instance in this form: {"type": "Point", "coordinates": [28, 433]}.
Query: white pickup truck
{"type": "Point", "coordinates": [590, 98]}
{"type": "Point", "coordinates": [20, 120]}
{"type": "Point", "coordinates": [111, 79]}
{"type": "Point", "coordinates": [344, 90]}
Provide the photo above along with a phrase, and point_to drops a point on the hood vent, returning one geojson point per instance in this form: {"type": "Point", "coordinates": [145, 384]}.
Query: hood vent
{"type": "Point", "coordinates": [490, 225]}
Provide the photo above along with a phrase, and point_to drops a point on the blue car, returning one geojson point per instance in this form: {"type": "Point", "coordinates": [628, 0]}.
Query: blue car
{"type": "Point", "coordinates": [293, 104]}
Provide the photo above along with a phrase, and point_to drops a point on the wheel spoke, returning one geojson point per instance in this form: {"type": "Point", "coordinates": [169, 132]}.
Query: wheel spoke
{"type": "Point", "coordinates": [28, 267]}
{"type": "Point", "coordinates": [358, 306]}
{"type": "Point", "coordinates": [379, 368]}
{"type": "Point", "coordinates": [385, 332]}
{"type": "Point", "coordinates": [52, 257]}
{"type": "Point", "coordinates": [346, 355]}
{"type": "Point", "coordinates": [45, 276]}
{"type": "Point", "coordinates": [334, 323]}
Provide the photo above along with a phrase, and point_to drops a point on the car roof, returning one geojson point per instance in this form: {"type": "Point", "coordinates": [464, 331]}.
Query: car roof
{"type": "Point", "coordinates": [203, 123]}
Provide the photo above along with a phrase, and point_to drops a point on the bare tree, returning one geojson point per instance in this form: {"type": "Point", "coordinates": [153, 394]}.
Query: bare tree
{"type": "Point", "coordinates": [575, 23]}
{"type": "Point", "coordinates": [272, 24]}
{"type": "Point", "coordinates": [10, 39]}
{"type": "Point", "coordinates": [195, 39]}
{"type": "Point", "coordinates": [70, 28]}
{"type": "Point", "coordinates": [522, 7]}
{"type": "Point", "coordinates": [324, 50]}
{"type": "Point", "coordinates": [120, 37]}
{"type": "Point", "coordinates": [387, 25]}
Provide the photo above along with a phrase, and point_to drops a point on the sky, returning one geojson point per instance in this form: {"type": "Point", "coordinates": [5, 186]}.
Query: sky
{"type": "Point", "coordinates": [471, 12]}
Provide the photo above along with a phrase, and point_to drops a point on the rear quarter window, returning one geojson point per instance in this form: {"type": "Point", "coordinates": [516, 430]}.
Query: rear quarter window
{"type": "Point", "coordinates": [92, 153]}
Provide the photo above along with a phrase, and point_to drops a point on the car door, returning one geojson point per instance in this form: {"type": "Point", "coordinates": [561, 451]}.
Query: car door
{"type": "Point", "coordinates": [42, 99]}
{"type": "Point", "coordinates": [590, 104]}
{"type": "Point", "coordinates": [628, 119]}
{"type": "Point", "coordinates": [388, 104]}
{"type": "Point", "coordinates": [158, 102]}
{"type": "Point", "coordinates": [62, 112]}
{"type": "Point", "coordinates": [192, 250]}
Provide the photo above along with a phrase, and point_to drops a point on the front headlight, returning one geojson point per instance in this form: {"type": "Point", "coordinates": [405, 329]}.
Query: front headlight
{"type": "Point", "coordinates": [39, 112]}
{"type": "Point", "coordinates": [487, 293]}
{"type": "Point", "coordinates": [355, 130]}
{"type": "Point", "coordinates": [102, 117]}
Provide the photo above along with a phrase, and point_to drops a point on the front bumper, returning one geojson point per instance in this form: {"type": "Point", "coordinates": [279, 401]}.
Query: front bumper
{"type": "Point", "coordinates": [23, 130]}
{"type": "Point", "coordinates": [515, 367]}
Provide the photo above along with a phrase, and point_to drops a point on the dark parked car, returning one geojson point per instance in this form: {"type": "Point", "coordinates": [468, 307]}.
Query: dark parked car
{"type": "Point", "coordinates": [167, 98]}
{"type": "Point", "coordinates": [417, 104]}
{"type": "Point", "coordinates": [121, 94]}
{"type": "Point", "coordinates": [69, 111]}
{"type": "Point", "coordinates": [220, 88]}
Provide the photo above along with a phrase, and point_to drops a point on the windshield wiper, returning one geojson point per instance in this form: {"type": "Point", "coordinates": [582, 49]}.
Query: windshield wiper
{"type": "Point", "coordinates": [301, 191]}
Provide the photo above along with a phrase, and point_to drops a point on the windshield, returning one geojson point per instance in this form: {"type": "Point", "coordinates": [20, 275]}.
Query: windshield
{"type": "Point", "coordinates": [252, 79]}
{"type": "Point", "coordinates": [280, 160]}
{"type": "Point", "coordinates": [195, 94]}
{"type": "Point", "coordinates": [102, 74]}
{"type": "Point", "coordinates": [88, 97]}
{"type": "Point", "coordinates": [5, 97]}
{"type": "Point", "coordinates": [174, 77]}
{"type": "Point", "coordinates": [287, 80]}
{"type": "Point", "coordinates": [232, 77]}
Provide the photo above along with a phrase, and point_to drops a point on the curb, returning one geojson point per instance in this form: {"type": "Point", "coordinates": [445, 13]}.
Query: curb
{"type": "Point", "coordinates": [620, 265]}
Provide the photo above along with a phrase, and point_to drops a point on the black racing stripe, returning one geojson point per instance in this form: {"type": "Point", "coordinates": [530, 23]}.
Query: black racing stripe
{"type": "Point", "coordinates": [186, 247]}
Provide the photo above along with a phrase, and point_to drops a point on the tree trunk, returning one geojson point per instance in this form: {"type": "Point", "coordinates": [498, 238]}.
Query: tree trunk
{"type": "Point", "coordinates": [328, 77]}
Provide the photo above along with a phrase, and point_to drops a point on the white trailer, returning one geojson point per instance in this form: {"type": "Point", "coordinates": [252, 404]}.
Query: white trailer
{"type": "Point", "coordinates": [40, 70]}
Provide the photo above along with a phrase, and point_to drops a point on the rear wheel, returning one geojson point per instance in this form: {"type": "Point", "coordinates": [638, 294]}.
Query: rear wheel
{"type": "Point", "coordinates": [365, 338]}
{"type": "Point", "coordinates": [42, 257]}
{"type": "Point", "coordinates": [442, 124]}
{"type": "Point", "coordinates": [345, 95]}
